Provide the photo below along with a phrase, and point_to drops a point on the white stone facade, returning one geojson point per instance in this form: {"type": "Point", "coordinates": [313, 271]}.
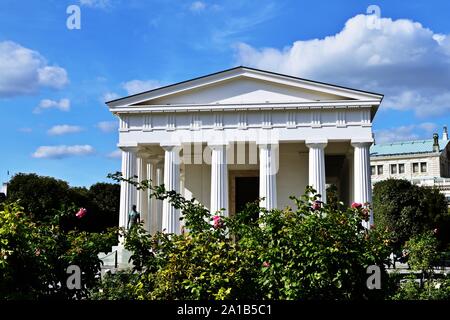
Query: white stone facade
{"type": "Point", "coordinates": [212, 138]}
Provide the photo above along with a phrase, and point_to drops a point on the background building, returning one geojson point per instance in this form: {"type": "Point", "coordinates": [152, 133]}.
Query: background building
{"type": "Point", "coordinates": [423, 162]}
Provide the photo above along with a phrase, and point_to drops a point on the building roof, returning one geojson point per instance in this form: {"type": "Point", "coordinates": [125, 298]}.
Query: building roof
{"type": "Point", "coordinates": [239, 71]}
{"type": "Point", "coordinates": [406, 147]}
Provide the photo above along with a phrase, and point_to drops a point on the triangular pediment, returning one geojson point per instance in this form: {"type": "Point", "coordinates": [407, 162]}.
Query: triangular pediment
{"type": "Point", "coordinates": [243, 85]}
{"type": "Point", "coordinates": [244, 90]}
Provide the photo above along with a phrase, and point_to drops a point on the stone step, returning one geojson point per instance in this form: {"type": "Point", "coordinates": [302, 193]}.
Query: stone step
{"type": "Point", "coordinates": [118, 258]}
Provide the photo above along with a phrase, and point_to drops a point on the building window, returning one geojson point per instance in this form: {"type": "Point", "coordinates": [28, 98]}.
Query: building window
{"type": "Point", "coordinates": [372, 170]}
{"type": "Point", "coordinates": [415, 167]}
{"type": "Point", "coordinates": [380, 170]}
{"type": "Point", "coordinates": [393, 169]}
{"type": "Point", "coordinates": [401, 168]}
{"type": "Point", "coordinates": [423, 167]}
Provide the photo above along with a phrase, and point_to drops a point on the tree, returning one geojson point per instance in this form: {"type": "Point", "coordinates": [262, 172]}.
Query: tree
{"type": "Point", "coordinates": [423, 253]}
{"type": "Point", "coordinates": [43, 197]}
{"type": "Point", "coordinates": [106, 197]}
{"type": "Point", "coordinates": [407, 209]}
{"type": "Point", "coordinates": [39, 196]}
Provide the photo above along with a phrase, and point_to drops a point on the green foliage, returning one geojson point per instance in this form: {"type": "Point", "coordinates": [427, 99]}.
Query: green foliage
{"type": "Point", "coordinates": [411, 289]}
{"type": "Point", "coordinates": [422, 255]}
{"type": "Point", "coordinates": [106, 197]}
{"type": "Point", "coordinates": [313, 252]}
{"type": "Point", "coordinates": [43, 197]}
{"type": "Point", "coordinates": [35, 256]}
{"type": "Point", "coordinates": [422, 251]}
{"type": "Point", "coordinates": [39, 196]}
{"type": "Point", "coordinates": [408, 210]}
{"type": "Point", "coordinates": [117, 286]}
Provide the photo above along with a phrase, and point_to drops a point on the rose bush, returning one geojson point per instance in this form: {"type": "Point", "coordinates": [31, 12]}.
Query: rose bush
{"type": "Point", "coordinates": [35, 256]}
{"type": "Point", "coordinates": [311, 251]}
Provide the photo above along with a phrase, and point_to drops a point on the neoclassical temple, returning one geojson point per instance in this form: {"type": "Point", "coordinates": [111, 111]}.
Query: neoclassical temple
{"type": "Point", "coordinates": [241, 134]}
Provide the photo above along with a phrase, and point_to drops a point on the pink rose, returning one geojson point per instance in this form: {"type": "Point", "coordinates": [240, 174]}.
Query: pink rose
{"type": "Point", "coordinates": [356, 205]}
{"type": "Point", "coordinates": [316, 205]}
{"type": "Point", "coordinates": [266, 264]}
{"type": "Point", "coordinates": [217, 222]}
{"type": "Point", "coordinates": [81, 213]}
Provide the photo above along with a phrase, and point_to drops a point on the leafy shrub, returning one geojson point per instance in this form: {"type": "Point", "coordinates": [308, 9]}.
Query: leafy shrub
{"type": "Point", "coordinates": [316, 251]}
{"type": "Point", "coordinates": [411, 289]}
{"type": "Point", "coordinates": [422, 251]}
{"type": "Point", "coordinates": [36, 255]}
{"type": "Point", "coordinates": [120, 285]}
{"type": "Point", "coordinates": [407, 210]}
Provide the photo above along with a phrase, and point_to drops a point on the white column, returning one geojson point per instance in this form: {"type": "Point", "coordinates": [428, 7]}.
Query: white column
{"type": "Point", "coordinates": [142, 199]}
{"type": "Point", "coordinates": [361, 172]}
{"type": "Point", "coordinates": [182, 192]}
{"type": "Point", "coordinates": [317, 167]}
{"type": "Point", "coordinates": [268, 169]}
{"type": "Point", "coordinates": [127, 191]}
{"type": "Point", "coordinates": [219, 178]}
{"type": "Point", "coordinates": [171, 216]}
{"type": "Point", "coordinates": [158, 204]}
{"type": "Point", "coordinates": [150, 176]}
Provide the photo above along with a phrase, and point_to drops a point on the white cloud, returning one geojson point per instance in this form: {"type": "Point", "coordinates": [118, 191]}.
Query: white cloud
{"type": "Point", "coordinates": [55, 77]}
{"type": "Point", "coordinates": [108, 96]}
{"type": "Point", "coordinates": [62, 105]}
{"type": "Point", "coordinates": [117, 154]}
{"type": "Point", "coordinates": [102, 4]}
{"type": "Point", "coordinates": [62, 151]}
{"type": "Point", "coordinates": [197, 6]}
{"type": "Point", "coordinates": [63, 129]}
{"type": "Point", "coordinates": [132, 87]}
{"type": "Point", "coordinates": [24, 71]}
{"type": "Point", "coordinates": [138, 86]}
{"type": "Point", "coordinates": [107, 126]}
{"type": "Point", "coordinates": [423, 130]}
{"type": "Point", "coordinates": [407, 62]}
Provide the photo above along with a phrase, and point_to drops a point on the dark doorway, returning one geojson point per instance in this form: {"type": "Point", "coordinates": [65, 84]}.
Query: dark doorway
{"type": "Point", "coordinates": [247, 190]}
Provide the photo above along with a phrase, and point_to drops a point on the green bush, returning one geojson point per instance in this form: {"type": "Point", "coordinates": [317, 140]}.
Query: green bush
{"type": "Point", "coordinates": [316, 251]}
{"type": "Point", "coordinates": [407, 210]}
{"type": "Point", "coordinates": [422, 251]}
{"type": "Point", "coordinates": [34, 256]}
{"type": "Point", "coordinates": [411, 289]}
{"type": "Point", "coordinates": [120, 285]}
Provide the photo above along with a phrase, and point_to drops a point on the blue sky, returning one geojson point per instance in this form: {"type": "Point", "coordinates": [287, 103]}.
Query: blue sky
{"type": "Point", "coordinates": [53, 81]}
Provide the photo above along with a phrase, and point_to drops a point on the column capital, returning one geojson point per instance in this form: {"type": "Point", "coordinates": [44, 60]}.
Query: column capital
{"type": "Point", "coordinates": [128, 148]}
{"type": "Point", "coordinates": [361, 142]}
{"type": "Point", "coordinates": [156, 159]}
{"type": "Point", "coordinates": [169, 146]}
{"type": "Point", "coordinates": [316, 143]}
{"type": "Point", "coordinates": [142, 154]}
